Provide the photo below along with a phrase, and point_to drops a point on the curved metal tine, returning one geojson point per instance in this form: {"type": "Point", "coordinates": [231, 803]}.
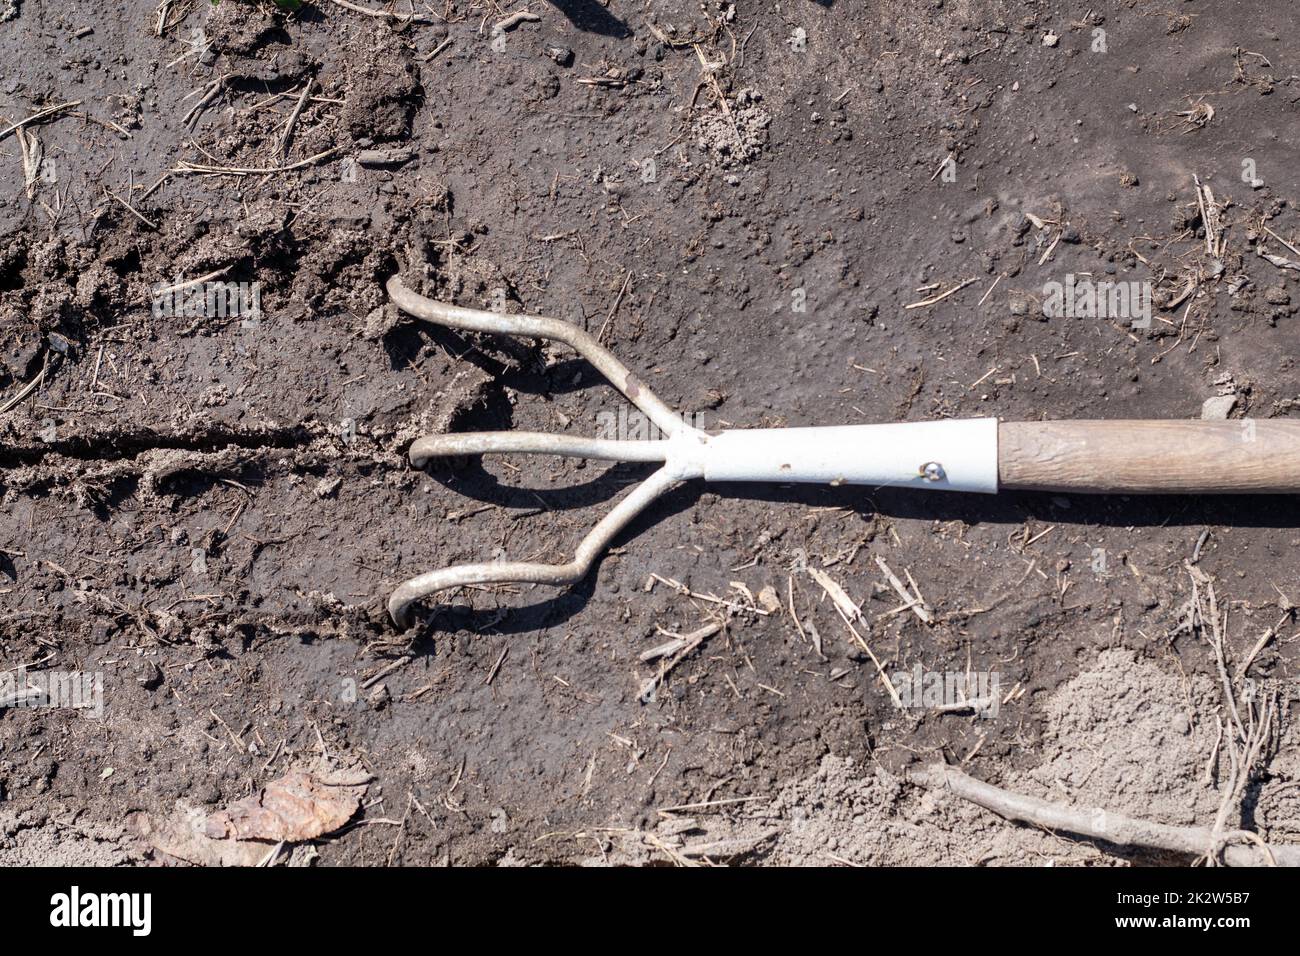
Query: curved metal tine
{"type": "Point", "coordinates": [536, 443]}
{"type": "Point", "coordinates": [524, 572]}
{"type": "Point", "coordinates": [603, 360]}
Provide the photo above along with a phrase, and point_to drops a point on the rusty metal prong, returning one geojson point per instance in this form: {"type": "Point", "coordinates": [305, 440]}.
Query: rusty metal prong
{"type": "Point", "coordinates": [523, 572]}
{"type": "Point", "coordinates": [536, 326]}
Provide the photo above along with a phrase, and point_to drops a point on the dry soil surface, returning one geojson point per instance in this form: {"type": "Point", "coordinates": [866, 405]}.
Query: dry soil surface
{"type": "Point", "coordinates": [207, 505]}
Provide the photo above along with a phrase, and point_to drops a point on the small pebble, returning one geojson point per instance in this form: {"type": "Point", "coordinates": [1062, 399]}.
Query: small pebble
{"type": "Point", "coordinates": [560, 54]}
{"type": "Point", "coordinates": [1218, 408]}
{"type": "Point", "coordinates": [328, 487]}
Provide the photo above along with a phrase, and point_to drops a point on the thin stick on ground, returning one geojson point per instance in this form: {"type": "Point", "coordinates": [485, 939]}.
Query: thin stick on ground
{"type": "Point", "coordinates": [707, 804]}
{"type": "Point", "coordinates": [29, 145]}
{"type": "Point", "coordinates": [132, 210]}
{"type": "Point", "coordinates": [189, 169]}
{"type": "Point", "coordinates": [693, 640]}
{"type": "Point", "coordinates": [990, 291]}
{"type": "Point", "coordinates": [1096, 823]}
{"type": "Point", "coordinates": [1210, 219]}
{"type": "Point", "coordinates": [209, 93]}
{"type": "Point", "coordinates": [1254, 732]}
{"type": "Point", "coordinates": [1268, 635]}
{"type": "Point", "coordinates": [38, 116]}
{"type": "Point", "coordinates": [282, 147]}
{"type": "Point", "coordinates": [438, 49]}
{"type": "Point", "coordinates": [27, 389]}
{"type": "Point", "coordinates": [1281, 240]}
{"type": "Point", "coordinates": [941, 296]}
{"type": "Point", "coordinates": [385, 671]}
{"type": "Point", "coordinates": [711, 598]}
{"type": "Point", "coordinates": [627, 280]}
{"type": "Point", "coordinates": [1047, 253]}
{"type": "Point", "coordinates": [947, 159]}
{"type": "Point", "coordinates": [412, 17]}
{"type": "Point", "coordinates": [880, 670]}
{"type": "Point", "coordinates": [711, 75]}
{"type": "Point", "coordinates": [915, 603]}
{"type": "Point", "coordinates": [214, 274]}
{"type": "Point", "coordinates": [850, 612]}
{"type": "Point", "coordinates": [794, 615]}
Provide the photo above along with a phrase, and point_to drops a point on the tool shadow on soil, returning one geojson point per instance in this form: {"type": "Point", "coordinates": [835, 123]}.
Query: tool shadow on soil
{"type": "Point", "coordinates": [1012, 508]}
{"type": "Point", "coordinates": [590, 16]}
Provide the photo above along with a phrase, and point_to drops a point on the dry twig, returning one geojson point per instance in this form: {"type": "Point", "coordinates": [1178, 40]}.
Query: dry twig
{"type": "Point", "coordinates": [38, 116]}
{"type": "Point", "coordinates": [1099, 824]}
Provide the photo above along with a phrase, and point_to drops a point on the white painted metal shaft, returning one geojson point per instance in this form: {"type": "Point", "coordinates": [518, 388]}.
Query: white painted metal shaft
{"type": "Point", "coordinates": [948, 455]}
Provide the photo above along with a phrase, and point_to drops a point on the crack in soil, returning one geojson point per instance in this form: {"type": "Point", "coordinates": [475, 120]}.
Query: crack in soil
{"type": "Point", "coordinates": [120, 443]}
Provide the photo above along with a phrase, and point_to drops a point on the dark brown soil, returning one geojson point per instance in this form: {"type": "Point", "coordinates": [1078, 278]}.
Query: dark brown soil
{"type": "Point", "coordinates": [211, 510]}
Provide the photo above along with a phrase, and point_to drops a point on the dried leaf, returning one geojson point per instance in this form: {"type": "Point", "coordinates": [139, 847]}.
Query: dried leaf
{"type": "Point", "coordinates": [297, 806]}
{"type": "Point", "coordinates": [181, 835]}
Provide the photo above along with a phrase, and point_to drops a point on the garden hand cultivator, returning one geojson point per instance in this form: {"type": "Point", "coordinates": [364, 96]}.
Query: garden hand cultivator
{"type": "Point", "coordinates": [976, 455]}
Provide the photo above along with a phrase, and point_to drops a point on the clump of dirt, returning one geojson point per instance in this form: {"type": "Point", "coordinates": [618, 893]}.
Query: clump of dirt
{"type": "Point", "coordinates": [383, 87]}
{"type": "Point", "coordinates": [240, 28]}
{"type": "Point", "coordinates": [735, 137]}
{"type": "Point", "coordinates": [1127, 735]}
{"type": "Point", "coordinates": [1133, 737]}
{"type": "Point", "coordinates": [342, 271]}
{"type": "Point", "coordinates": [1275, 806]}
{"type": "Point", "coordinates": [468, 389]}
{"type": "Point", "coordinates": [32, 839]}
{"type": "Point", "coordinates": [851, 813]}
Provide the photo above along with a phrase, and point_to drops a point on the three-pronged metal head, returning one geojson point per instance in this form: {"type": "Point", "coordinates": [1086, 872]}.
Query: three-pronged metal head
{"type": "Point", "coordinates": [675, 450]}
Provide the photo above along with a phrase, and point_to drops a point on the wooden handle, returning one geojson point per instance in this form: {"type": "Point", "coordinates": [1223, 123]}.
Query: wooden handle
{"type": "Point", "coordinates": [1151, 457]}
